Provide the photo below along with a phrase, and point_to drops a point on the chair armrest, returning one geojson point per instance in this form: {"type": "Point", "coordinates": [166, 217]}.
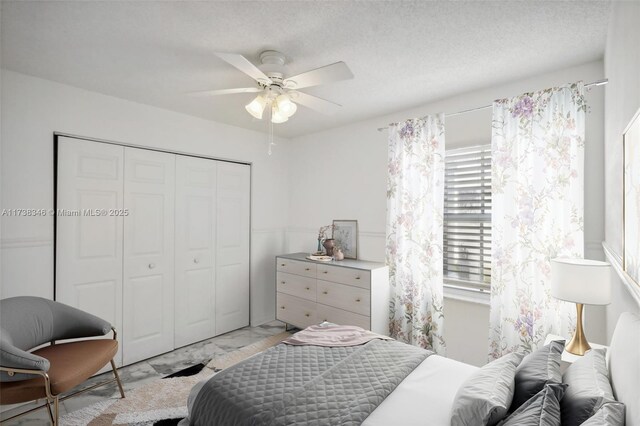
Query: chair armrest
{"type": "Point", "coordinates": [14, 358]}
{"type": "Point", "coordinates": [72, 323]}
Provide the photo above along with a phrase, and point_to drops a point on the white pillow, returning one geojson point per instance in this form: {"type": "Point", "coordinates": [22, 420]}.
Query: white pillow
{"type": "Point", "coordinates": [485, 397]}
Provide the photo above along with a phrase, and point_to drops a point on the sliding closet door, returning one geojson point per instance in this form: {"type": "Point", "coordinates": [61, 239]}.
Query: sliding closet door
{"type": "Point", "coordinates": [232, 263]}
{"type": "Point", "coordinates": [149, 191]}
{"type": "Point", "coordinates": [89, 228]}
{"type": "Point", "coordinates": [195, 249]}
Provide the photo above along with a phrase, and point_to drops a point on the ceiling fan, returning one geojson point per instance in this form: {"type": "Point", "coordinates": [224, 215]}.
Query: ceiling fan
{"type": "Point", "coordinates": [281, 94]}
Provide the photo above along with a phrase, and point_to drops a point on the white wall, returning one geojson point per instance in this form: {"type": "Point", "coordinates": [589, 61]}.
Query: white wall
{"type": "Point", "coordinates": [33, 109]}
{"type": "Point", "coordinates": [341, 174]}
{"type": "Point", "coordinates": [622, 100]}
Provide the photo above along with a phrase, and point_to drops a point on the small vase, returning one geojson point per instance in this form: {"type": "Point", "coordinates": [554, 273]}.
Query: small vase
{"type": "Point", "coordinates": [329, 244]}
{"type": "Point", "coordinates": [338, 254]}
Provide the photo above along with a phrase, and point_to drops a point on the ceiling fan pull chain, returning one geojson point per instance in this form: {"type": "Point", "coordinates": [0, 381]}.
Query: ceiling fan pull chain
{"type": "Point", "coordinates": [271, 143]}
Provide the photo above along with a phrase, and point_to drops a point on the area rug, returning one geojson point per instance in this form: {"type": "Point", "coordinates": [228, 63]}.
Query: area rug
{"type": "Point", "coordinates": [231, 358]}
{"type": "Point", "coordinates": [162, 402]}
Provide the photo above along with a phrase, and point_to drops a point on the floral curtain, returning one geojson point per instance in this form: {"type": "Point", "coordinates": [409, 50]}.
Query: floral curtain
{"type": "Point", "coordinates": [415, 198]}
{"type": "Point", "coordinates": [537, 213]}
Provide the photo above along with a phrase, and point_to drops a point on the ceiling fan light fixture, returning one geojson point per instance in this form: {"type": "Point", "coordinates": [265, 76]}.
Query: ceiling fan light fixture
{"type": "Point", "coordinates": [256, 107]}
{"type": "Point", "coordinates": [277, 116]}
{"type": "Point", "coordinates": [285, 105]}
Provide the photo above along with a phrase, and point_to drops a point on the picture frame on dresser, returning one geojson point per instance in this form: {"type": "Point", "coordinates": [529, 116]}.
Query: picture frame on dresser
{"type": "Point", "coordinates": [345, 234]}
{"type": "Point", "coordinates": [631, 199]}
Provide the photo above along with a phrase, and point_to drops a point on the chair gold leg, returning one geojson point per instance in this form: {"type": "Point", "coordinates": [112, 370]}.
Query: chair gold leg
{"type": "Point", "coordinates": [50, 412]}
{"type": "Point", "coordinates": [56, 410]}
{"type": "Point", "coordinates": [115, 373]}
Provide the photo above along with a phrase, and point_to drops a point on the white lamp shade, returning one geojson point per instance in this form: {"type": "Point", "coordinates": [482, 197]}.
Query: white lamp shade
{"type": "Point", "coordinates": [256, 107]}
{"type": "Point", "coordinates": [285, 106]}
{"type": "Point", "coordinates": [581, 281]}
{"type": "Point", "coordinates": [277, 116]}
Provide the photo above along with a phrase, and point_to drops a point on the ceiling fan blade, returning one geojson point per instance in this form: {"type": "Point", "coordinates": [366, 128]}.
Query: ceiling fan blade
{"type": "Point", "coordinates": [327, 74]}
{"type": "Point", "coordinates": [225, 91]}
{"type": "Point", "coordinates": [315, 103]}
{"type": "Point", "coordinates": [245, 66]}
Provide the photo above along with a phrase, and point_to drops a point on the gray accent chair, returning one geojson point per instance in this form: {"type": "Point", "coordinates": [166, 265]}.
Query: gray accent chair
{"type": "Point", "coordinates": [28, 323]}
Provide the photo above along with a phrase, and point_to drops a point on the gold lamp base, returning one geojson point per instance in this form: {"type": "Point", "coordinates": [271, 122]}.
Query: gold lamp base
{"type": "Point", "coordinates": [578, 344]}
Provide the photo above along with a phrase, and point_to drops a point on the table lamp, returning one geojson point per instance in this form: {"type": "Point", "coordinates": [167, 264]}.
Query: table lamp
{"type": "Point", "coordinates": [583, 282]}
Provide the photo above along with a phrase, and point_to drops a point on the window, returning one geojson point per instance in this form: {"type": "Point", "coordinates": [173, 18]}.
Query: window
{"type": "Point", "coordinates": [467, 217]}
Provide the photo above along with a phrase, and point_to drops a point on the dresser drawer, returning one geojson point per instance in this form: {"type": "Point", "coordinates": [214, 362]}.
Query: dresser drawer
{"type": "Point", "coordinates": [296, 311]}
{"type": "Point", "coordinates": [353, 299]}
{"type": "Point", "coordinates": [339, 274]}
{"type": "Point", "coordinates": [296, 285]}
{"type": "Point", "coordinates": [296, 267]}
{"type": "Point", "coordinates": [341, 317]}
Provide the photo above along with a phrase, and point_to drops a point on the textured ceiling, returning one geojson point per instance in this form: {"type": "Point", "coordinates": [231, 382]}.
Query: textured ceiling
{"type": "Point", "coordinates": [403, 53]}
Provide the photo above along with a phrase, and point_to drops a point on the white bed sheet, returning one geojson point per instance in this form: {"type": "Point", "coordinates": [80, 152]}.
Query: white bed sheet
{"type": "Point", "coordinates": [425, 396]}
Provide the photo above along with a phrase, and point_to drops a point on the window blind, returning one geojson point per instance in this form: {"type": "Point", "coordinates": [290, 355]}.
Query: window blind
{"type": "Point", "coordinates": [467, 217]}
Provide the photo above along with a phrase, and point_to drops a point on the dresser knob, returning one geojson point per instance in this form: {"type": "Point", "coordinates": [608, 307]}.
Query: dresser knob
{"type": "Point", "coordinates": [307, 269]}
{"type": "Point", "coordinates": [357, 300]}
{"type": "Point", "coordinates": [325, 292]}
{"type": "Point", "coordinates": [325, 272]}
{"type": "Point", "coordinates": [308, 288]}
{"type": "Point", "coordinates": [196, 260]}
{"type": "Point", "coordinates": [306, 315]}
{"type": "Point", "coordinates": [282, 282]}
{"type": "Point", "coordinates": [152, 265]}
{"type": "Point", "coordinates": [282, 264]}
{"type": "Point", "coordinates": [281, 307]}
{"type": "Point", "coordinates": [358, 277]}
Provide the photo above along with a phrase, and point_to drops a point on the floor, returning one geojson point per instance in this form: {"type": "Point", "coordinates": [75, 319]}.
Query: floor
{"type": "Point", "coordinates": [135, 375]}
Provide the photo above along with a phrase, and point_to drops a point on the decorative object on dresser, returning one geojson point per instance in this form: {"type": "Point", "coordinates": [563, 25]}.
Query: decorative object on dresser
{"type": "Point", "coordinates": [581, 281]}
{"type": "Point", "coordinates": [631, 201]}
{"type": "Point", "coordinates": [352, 292]}
{"type": "Point", "coordinates": [322, 236]}
{"type": "Point", "coordinates": [345, 232]}
{"type": "Point", "coordinates": [329, 244]}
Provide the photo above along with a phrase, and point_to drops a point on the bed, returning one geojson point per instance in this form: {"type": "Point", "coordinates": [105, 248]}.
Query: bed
{"type": "Point", "coordinates": [395, 384]}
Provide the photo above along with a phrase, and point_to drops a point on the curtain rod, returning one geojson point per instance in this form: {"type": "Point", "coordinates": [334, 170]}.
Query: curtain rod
{"type": "Point", "coordinates": [451, 114]}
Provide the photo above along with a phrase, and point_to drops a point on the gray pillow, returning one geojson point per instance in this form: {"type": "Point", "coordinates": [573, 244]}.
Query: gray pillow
{"type": "Point", "coordinates": [589, 388]}
{"type": "Point", "coordinates": [486, 396]}
{"type": "Point", "coordinates": [536, 370]}
{"type": "Point", "coordinates": [543, 409]}
{"type": "Point", "coordinates": [609, 413]}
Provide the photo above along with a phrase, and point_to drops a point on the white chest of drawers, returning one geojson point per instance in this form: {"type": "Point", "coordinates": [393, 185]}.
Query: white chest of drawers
{"type": "Point", "coordinates": [347, 292]}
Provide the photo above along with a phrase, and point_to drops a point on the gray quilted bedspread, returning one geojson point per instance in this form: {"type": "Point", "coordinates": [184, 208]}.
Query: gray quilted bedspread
{"type": "Point", "coordinates": [306, 385]}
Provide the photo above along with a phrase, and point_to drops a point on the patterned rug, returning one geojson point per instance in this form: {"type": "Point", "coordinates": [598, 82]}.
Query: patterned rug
{"type": "Point", "coordinates": [162, 402]}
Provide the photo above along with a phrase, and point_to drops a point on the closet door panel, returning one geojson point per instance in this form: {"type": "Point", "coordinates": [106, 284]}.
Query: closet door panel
{"type": "Point", "coordinates": [89, 230]}
{"type": "Point", "coordinates": [149, 193]}
{"type": "Point", "coordinates": [232, 270]}
{"type": "Point", "coordinates": [195, 249]}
